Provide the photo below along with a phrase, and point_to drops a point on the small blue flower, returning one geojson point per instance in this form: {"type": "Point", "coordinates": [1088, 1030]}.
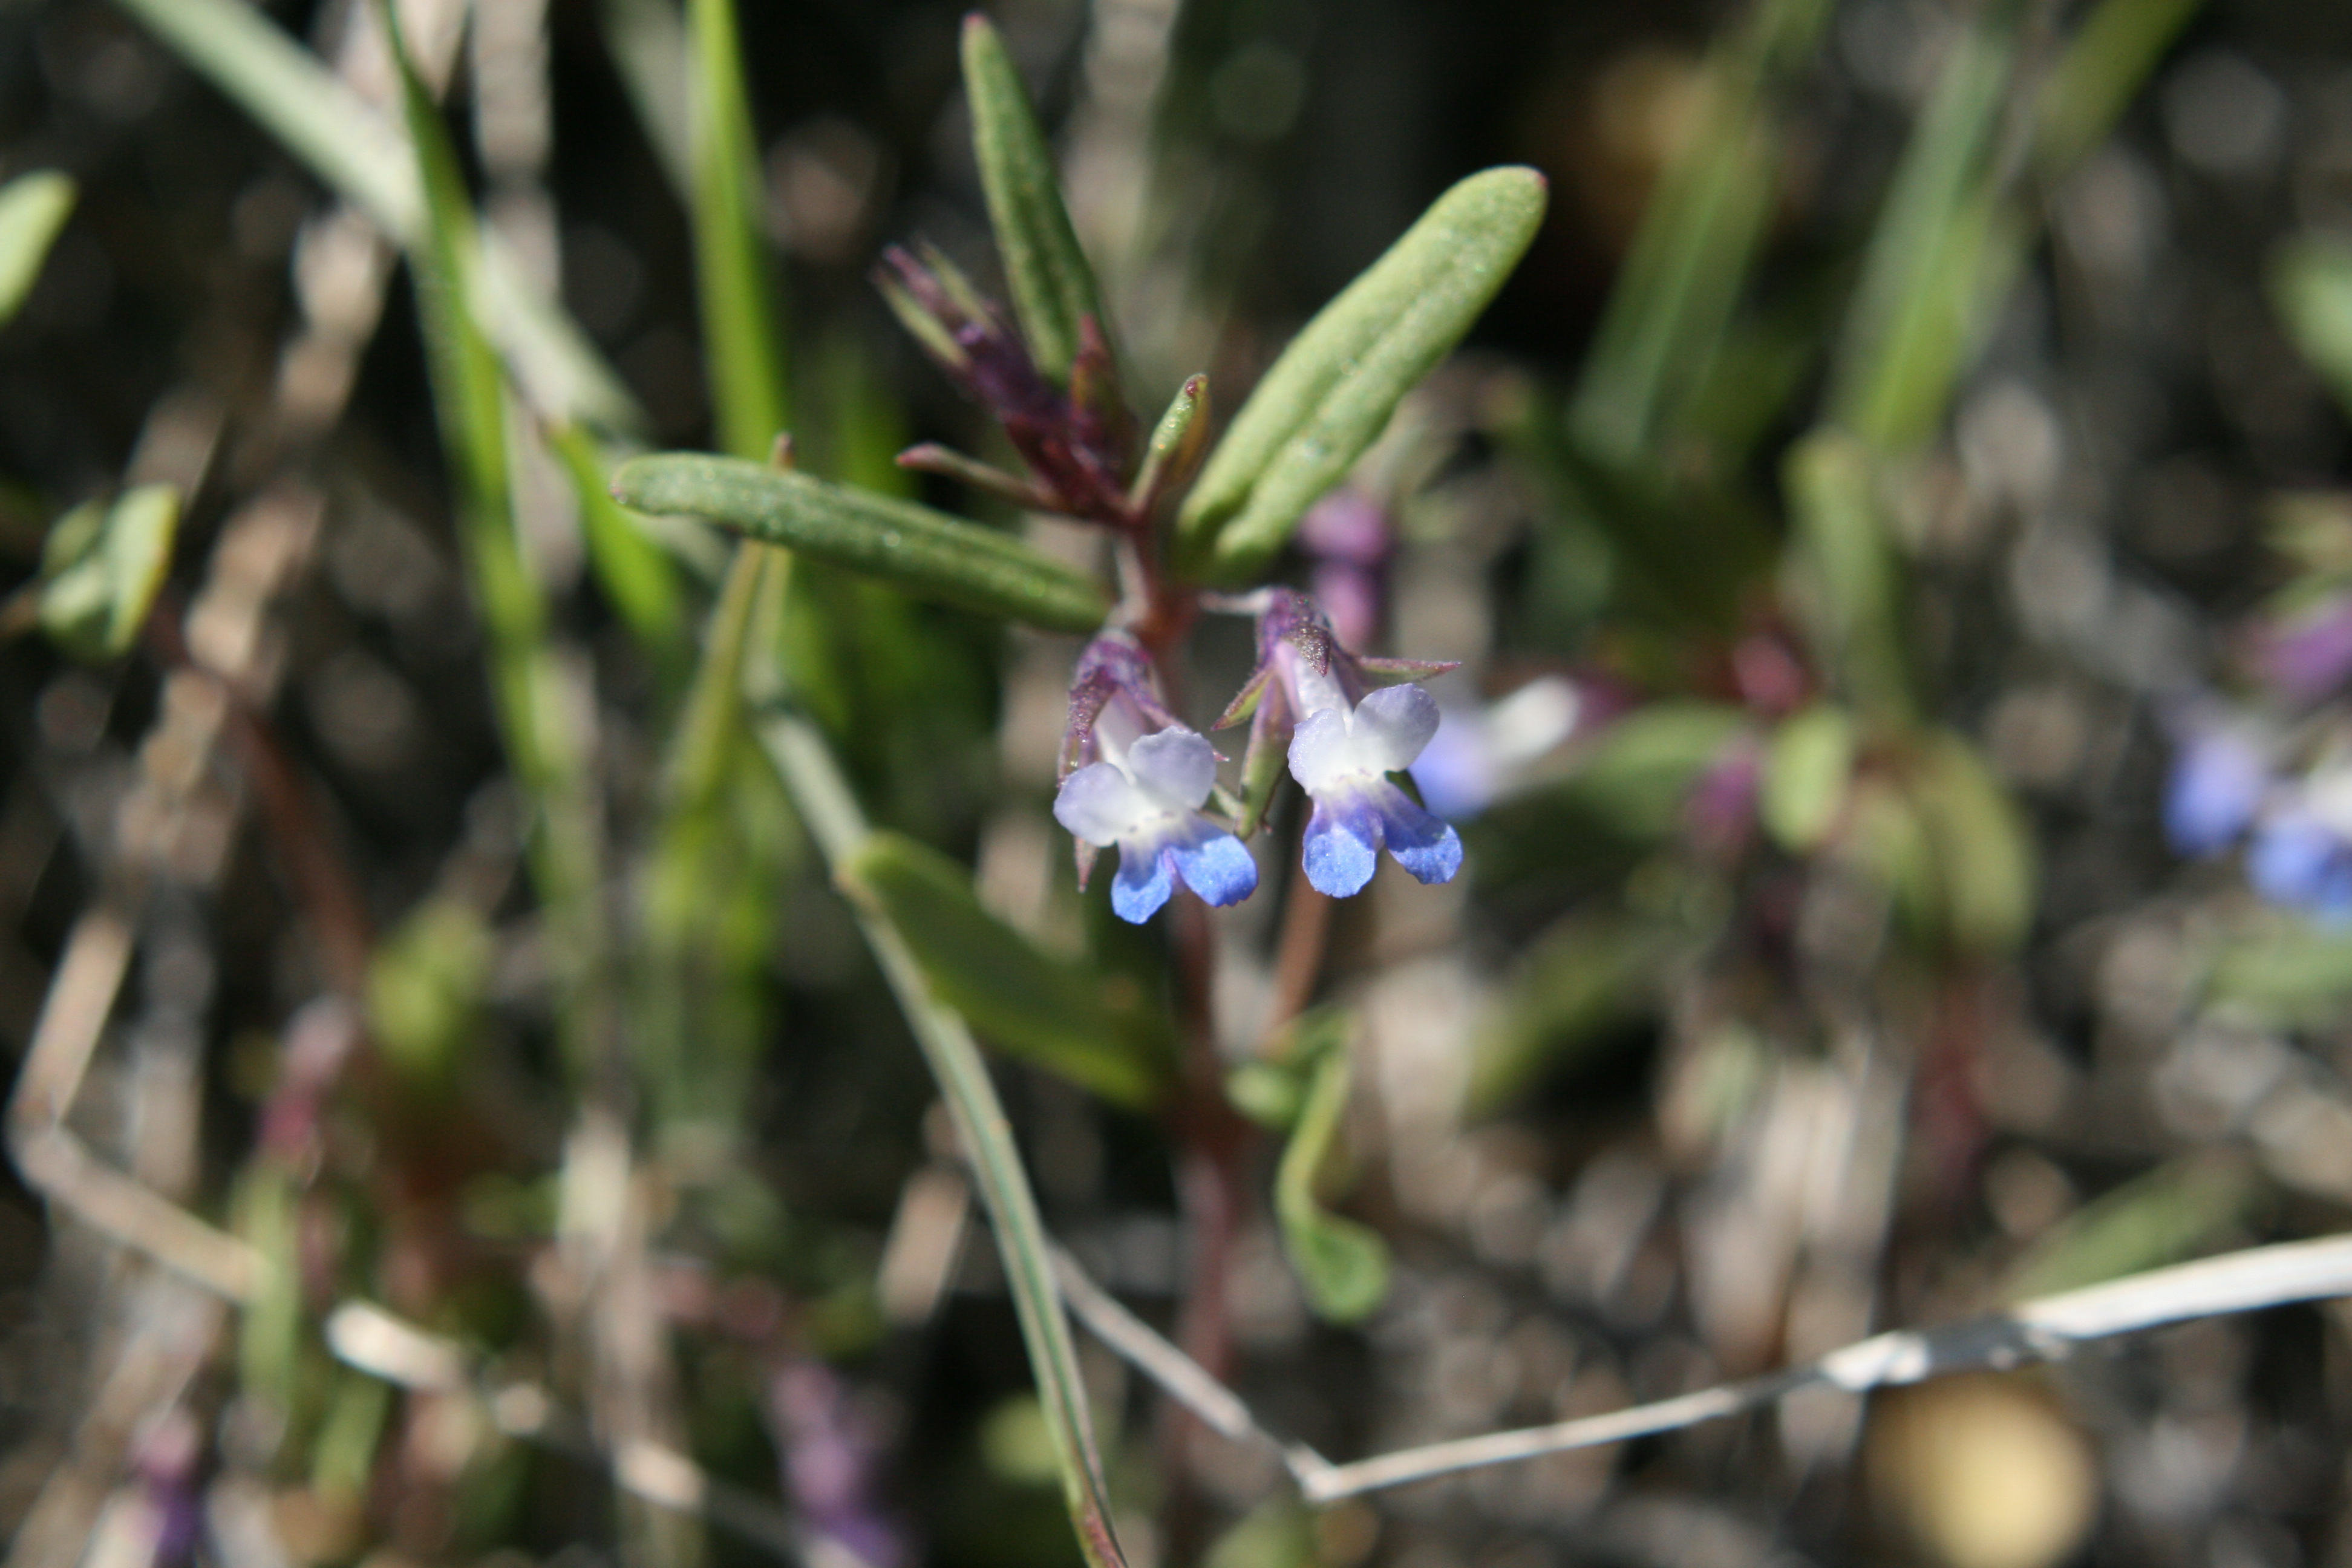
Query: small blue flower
{"type": "Point", "coordinates": [1341, 758]}
{"type": "Point", "coordinates": [2219, 776]}
{"type": "Point", "coordinates": [1146, 799]}
{"type": "Point", "coordinates": [2300, 859]}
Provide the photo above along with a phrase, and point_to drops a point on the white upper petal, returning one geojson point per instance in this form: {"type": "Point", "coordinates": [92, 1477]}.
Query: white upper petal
{"type": "Point", "coordinates": [1392, 725]}
{"type": "Point", "coordinates": [1101, 804]}
{"type": "Point", "coordinates": [1322, 752]}
{"type": "Point", "coordinates": [1175, 767]}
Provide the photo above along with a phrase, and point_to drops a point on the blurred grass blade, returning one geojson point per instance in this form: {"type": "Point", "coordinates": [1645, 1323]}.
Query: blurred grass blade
{"type": "Point", "coordinates": [363, 159]}
{"type": "Point", "coordinates": [1332, 392]}
{"type": "Point", "coordinates": [102, 566]}
{"type": "Point", "coordinates": [2111, 53]}
{"type": "Point", "coordinates": [2162, 1218]}
{"type": "Point", "coordinates": [710, 889]}
{"type": "Point", "coordinates": [635, 573]}
{"type": "Point", "coordinates": [2311, 288]}
{"type": "Point", "coordinates": [1682, 276]}
{"type": "Point", "coordinates": [469, 405]}
{"type": "Point", "coordinates": [1060, 1016]}
{"type": "Point", "coordinates": [925, 552]}
{"type": "Point", "coordinates": [33, 208]}
{"type": "Point", "coordinates": [1850, 582]}
{"type": "Point", "coordinates": [1343, 1265]}
{"type": "Point", "coordinates": [1921, 291]}
{"type": "Point", "coordinates": [822, 797]}
{"type": "Point", "coordinates": [1052, 287]}
{"type": "Point", "coordinates": [648, 46]}
{"type": "Point", "coordinates": [740, 340]}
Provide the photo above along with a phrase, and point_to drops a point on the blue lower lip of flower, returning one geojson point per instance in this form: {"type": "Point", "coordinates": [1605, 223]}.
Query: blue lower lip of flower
{"type": "Point", "coordinates": [1212, 861]}
{"type": "Point", "coordinates": [1352, 823]}
{"type": "Point", "coordinates": [1146, 877]}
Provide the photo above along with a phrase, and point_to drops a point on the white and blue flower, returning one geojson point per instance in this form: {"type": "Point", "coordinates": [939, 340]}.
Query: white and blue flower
{"type": "Point", "coordinates": [1146, 797]}
{"type": "Point", "coordinates": [1341, 757]}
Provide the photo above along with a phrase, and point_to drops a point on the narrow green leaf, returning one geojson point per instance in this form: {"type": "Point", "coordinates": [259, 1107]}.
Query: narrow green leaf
{"type": "Point", "coordinates": [925, 552]}
{"type": "Point", "coordinates": [648, 46]}
{"type": "Point", "coordinates": [2167, 1216]}
{"type": "Point", "coordinates": [1030, 1004]}
{"type": "Point", "coordinates": [1849, 582]}
{"type": "Point", "coordinates": [363, 158]}
{"type": "Point", "coordinates": [1673, 301]}
{"type": "Point", "coordinates": [711, 884]}
{"type": "Point", "coordinates": [1805, 776]}
{"type": "Point", "coordinates": [1053, 287]}
{"type": "Point", "coordinates": [469, 400]}
{"type": "Point", "coordinates": [1176, 447]}
{"type": "Point", "coordinates": [33, 208]}
{"type": "Point", "coordinates": [102, 568]}
{"type": "Point", "coordinates": [2311, 288]}
{"type": "Point", "coordinates": [1343, 1265]}
{"type": "Point", "coordinates": [822, 797]}
{"type": "Point", "coordinates": [741, 340]}
{"type": "Point", "coordinates": [426, 985]}
{"type": "Point", "coordinates": [1638, 770]}
{"type": "Point", "coordinates": [2104, 64]}
{"type": "Point", "coordinates": [1982, 857]}
{"type": "Point", "coordinates": [2283, 969]}
{"type": "Point", "coordinates": [1923, 288]}
{"type": "Point", "coordinates": [1332, 392]}
{"type": "Point", "coordinates": [634, 571]}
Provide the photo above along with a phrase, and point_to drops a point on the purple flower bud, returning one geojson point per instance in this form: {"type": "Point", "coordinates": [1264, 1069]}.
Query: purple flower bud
{"type": "Point", "coordinates": [2299, 860]}
{"type": "Point", "coordinates": [2306, 655]}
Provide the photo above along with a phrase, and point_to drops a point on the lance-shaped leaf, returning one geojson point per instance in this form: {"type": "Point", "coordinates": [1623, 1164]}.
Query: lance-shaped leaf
{"type": "Point", "coordinates": [33, 207]}
{"type": "Point", "coordinates": [102, 567]}
{"type": "Point", "coordinates": [1805, 776]}
{"type": "Point", "coordinates": [1332, 392]}
{"type": "Point", "coordinates": [1052, 287]}
{"type": "Point", "coordinates": [1060, 1016]}
{"type": "Point", "coordinates": [2311, 287]}
{"type": "Point", "coordinates": [924, 552]}
{"type": "Point", "coordinates": [1344, 1266]}
{"type": "Point", "coordinates": [1177, 443]}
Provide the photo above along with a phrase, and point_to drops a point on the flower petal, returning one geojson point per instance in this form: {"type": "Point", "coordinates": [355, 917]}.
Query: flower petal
{"type": "Point", "coordinates": [1216, 864]}
{"type": "Point", "coordinates": [1147, 875]}
{"type": "Point", "coordinates": [1175, 767]}
{"type": "Point", "coordinates": [1392, 725]}
{"type": "Point", "coordinates": [1101, 804]}
{"type": "Point", "coordinates": [1322, 752]}
{"type": "Point", "coordinates": [1342, 844]}
{"type": "Point", "coordinates": [1423, 845]}
{"type": "Point", "coordinates": [2292, 859]}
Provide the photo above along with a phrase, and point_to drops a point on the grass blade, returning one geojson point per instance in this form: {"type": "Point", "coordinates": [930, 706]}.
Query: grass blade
{"type": "Point", "coordinates": [469, 403]}
{"type": "Point", "coordinates": [925, 552]}
{"type": "Point", "coordinates": [33, 208]}
{"type": "Point", "coordinates": [1052, 287]}
{"type": "Point", "coordinates": [740, 338]}
{"type": "Point", "coordinates": [363, 158]}
{"type": "Point", "coordinates": [1673, 298]}
{"type": "Point", "coordinates": [1332, 392]}
{"type": "Point", "coordinates": [1923, 286]}
{"type": "Point", "coordinates": [822, 797]}
{"type": "Point", "coordinates": [635, 573]}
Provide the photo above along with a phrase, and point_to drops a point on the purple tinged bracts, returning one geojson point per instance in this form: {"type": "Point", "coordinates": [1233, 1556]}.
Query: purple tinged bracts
{"type": "Point", "coordinates": [1079, 444]}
